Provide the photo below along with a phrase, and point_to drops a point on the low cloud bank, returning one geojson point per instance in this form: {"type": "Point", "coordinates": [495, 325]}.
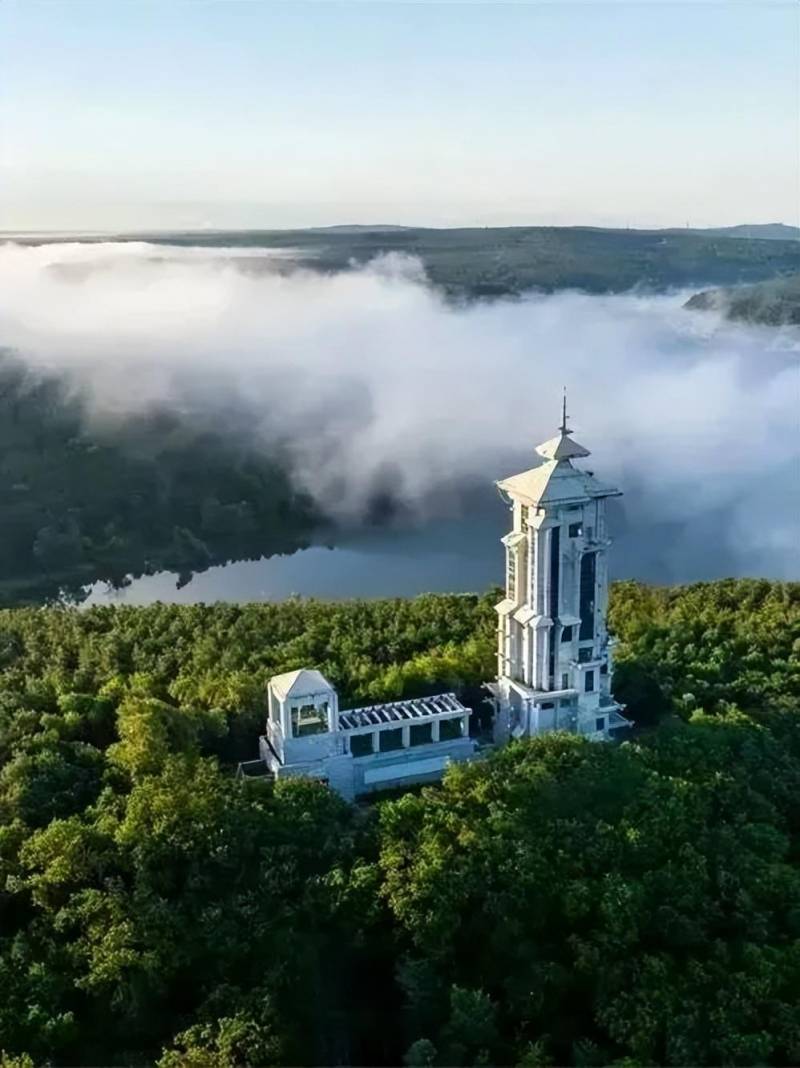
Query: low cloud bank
{"type": "Point", "coordinates": [375, 383]}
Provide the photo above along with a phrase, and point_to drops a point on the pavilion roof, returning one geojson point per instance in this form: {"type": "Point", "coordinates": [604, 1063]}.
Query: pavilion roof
{"type": "Point", "coordinates": [302, 683]}
{"type": "Point", "coordinates": [412, 710]}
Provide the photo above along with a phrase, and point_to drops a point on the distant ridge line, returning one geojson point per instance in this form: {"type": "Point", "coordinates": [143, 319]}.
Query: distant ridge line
{"type": "Point", "coordinates": [747, 231]}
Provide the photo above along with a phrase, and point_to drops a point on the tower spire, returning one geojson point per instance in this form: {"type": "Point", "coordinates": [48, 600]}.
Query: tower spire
{"type": "Point", "coordinates": [564, 428]}
{"type": "Point", "coordinates": [562, 447]}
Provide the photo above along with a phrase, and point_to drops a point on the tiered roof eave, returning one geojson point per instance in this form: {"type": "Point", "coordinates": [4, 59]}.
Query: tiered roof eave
{"type": "Point", "coordinates": [555, 482]}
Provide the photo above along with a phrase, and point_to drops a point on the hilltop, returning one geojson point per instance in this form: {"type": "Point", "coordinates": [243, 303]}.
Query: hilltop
{"type": "Point", "coordinates": [765, 231]}
{"type": "Point", "coordinates": [772, 303]}
{"type": "Point", "coordinates": [481, 262]}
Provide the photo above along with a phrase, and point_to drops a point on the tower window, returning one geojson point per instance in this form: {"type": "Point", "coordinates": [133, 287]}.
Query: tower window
{"type": "Point", "coordinates": [511, 575]}
{"type": "Point", "coordinates": [309, 719]}
{"type": "Point", "coordinates": [555, 561]}
{"type": "Point", "coordinates": [604, 669]}
{"type": "Point", "coordinates": [566, 634]}
{"type": "Point", "coordinates": [600, 723]}
{"type": "Point", "coordinates": [588, 682]}
{"type": "Point", "coordinates": [575, 530]}
{"type": "Point", "coordinates": [588, 571]}
{"type": "Point", "coordinates": [565, 681]}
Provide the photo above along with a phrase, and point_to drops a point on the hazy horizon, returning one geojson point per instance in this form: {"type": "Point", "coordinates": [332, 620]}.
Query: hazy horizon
{"type": "Point", "coordinates": [170, 116]}
{"type": "Point", "coordinates": [85, 232]}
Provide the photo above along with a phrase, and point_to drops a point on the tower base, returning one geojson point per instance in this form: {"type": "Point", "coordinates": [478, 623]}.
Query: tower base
{"type": "Point", "coordinates": [522, 712]}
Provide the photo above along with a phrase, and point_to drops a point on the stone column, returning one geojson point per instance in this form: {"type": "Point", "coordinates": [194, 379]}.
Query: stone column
{"type": "Point", "coordinates": [286, 719]}
{"type": "Point", "coordinates": [546, 578]}
{"type": "Point", "coordinates": [544, 637]}
{"type": "Point", "coordinates": [406, 735]}
{"type": "Point", "coordinates": [376, 741]}
{"type": "Point", "coordinates": [435, 730]}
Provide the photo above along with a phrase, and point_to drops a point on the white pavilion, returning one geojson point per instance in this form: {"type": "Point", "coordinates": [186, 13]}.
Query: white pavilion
{"type": "Point", "coordinates": [361, 750]}
{"type": "Point", "coordinates": [554, 655]}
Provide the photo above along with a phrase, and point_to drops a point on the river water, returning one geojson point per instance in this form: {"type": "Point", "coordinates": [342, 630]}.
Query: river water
{"type": "Point", "coordinates": [447, 556]}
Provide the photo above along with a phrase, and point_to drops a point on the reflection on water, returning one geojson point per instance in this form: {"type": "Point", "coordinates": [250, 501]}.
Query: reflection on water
{"type": "Point", "coordinates": [446, 557]}
{"type": "Point", "coordinates": [450, 556]}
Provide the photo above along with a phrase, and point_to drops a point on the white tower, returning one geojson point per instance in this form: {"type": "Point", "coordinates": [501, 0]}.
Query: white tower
{"type": "Point", "coordinates": [553, 650]}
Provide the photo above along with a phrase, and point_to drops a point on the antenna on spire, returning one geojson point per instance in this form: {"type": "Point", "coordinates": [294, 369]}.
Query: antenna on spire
{"type": "Point", "coordinates": [564, 428]}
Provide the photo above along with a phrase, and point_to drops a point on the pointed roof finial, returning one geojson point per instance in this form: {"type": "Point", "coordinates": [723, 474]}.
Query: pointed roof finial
{"type": "Point", "coordinates": [564, 428]}
{"type": "Point", "coordinates": [562, 447]}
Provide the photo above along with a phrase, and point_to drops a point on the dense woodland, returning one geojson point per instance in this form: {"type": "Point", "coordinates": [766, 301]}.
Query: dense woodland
{"type": "Point", "coordinates": [477, 262]}
{"type": "Point", "coordinates": [164, 490]}
{"type": "Point", "coordinates": [560, 902]}
{"type": "Point", "coordinates": [775, 302]}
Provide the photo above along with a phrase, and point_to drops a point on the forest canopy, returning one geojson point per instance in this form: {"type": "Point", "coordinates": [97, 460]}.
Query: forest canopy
{"type": "Point", "coordinates": [469, 263]}
{"type": "Point", "coordinates": [559, 902]}
{"type": "Point", "coordinates": [157, 491]}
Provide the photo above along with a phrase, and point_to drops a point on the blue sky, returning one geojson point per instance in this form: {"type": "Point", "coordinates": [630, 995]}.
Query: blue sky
{"type": "Point", "coordinates": [118, 114]}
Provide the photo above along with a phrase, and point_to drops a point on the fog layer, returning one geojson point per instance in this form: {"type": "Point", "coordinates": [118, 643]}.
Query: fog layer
{"type": "Point", "coordinates": [375, 383]}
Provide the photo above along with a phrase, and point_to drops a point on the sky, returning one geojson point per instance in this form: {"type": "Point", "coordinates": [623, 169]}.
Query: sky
{"type": "Point", "coordinates": [130, 114]}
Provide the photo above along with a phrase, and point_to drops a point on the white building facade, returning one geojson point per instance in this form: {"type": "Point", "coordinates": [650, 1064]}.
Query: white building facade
{"type": "Point", "coordinates": [554, 655]}
{"type": "Point", "coordinates": [359, 750]}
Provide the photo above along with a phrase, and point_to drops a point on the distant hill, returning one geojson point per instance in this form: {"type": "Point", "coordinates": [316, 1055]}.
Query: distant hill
{"type": "Point", "coordinates": [356, 228]}
{"type": "Point", "coordinates": [484, 262]}
{"type": "Point", "coordinates": [762, 231]}
{"type": "Point", "coordinates": [772, 303]}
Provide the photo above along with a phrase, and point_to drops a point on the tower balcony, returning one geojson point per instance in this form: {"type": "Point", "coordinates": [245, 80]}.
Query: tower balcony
{"type": "Point", "coordinates": [593, 661]}
{"type": "Point", "coordinates": [595, 539]}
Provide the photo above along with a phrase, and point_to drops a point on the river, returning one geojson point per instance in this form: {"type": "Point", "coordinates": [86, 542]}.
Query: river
{"type": "Point", "coordinates": [448, 556]}
{"type": "Point", "coordinates": [442, 557]}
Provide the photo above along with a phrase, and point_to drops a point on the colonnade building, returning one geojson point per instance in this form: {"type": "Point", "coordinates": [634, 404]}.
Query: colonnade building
{"type": "Point", "coordinates": [360, 750]}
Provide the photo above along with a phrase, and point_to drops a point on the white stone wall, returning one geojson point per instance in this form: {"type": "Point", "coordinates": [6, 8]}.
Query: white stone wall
{"type": "Point", "coordinates": [524, 650]}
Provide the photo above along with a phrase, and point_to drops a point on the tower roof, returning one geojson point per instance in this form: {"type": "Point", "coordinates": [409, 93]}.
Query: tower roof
{"type": "Point", "coordinates": [556, 481]}
{"type": "Point", "coordinates": [560, 447]}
